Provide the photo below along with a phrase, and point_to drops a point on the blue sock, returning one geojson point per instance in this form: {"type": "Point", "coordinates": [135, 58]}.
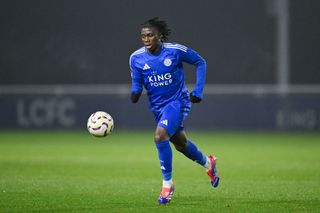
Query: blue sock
{"type": "Point", "coordinates": [194, 154]}
{"type": "Point", "coordinates": [165, 157]}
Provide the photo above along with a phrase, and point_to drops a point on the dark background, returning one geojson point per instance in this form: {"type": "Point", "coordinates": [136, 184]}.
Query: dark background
{"type": "Point", "coordinates": [89, 42]}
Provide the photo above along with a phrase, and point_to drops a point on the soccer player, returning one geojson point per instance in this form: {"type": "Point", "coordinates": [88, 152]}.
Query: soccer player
{"type": "Point", "coordinates": [158, 67]}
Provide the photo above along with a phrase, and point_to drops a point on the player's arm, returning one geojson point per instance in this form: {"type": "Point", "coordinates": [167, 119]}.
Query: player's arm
{"type": "Point", "coordinates": [192, 57]}
{"type": "Point", "coordinates": [136, 88]}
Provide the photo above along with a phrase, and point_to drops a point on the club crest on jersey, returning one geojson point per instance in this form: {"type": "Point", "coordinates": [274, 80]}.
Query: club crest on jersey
{"type": "Point", "coordinates": [167, 62]}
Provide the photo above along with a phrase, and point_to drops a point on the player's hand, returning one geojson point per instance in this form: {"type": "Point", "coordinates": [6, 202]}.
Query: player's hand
{"type": "Point", "coordinates": [135, 97]}
{"type": "Point", "coordinates": [195, 99]}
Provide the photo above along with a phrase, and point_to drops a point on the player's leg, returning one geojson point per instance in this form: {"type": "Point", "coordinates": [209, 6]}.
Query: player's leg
{"type": "Point", "coordinates": [190, 150]}
{"type": "Point", "coordinates": [167, 124]}
{"type": "Point", "coordinates": [161, 139]}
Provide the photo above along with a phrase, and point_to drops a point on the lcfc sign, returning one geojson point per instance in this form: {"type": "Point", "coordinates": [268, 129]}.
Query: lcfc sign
{"type": "Point", "coordinates": [46, 112]}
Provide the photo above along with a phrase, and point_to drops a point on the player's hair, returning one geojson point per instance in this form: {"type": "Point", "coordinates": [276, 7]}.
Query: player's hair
{"type": "Point", "coordinates": [160, 25]}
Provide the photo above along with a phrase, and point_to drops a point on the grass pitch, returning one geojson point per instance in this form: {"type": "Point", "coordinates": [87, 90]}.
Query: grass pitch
{"type": "Point", "coordinates": [76, 172]}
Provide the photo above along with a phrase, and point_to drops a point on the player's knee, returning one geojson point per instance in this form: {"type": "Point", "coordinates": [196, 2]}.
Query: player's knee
{"type": "Point", "coordinates": [159, 137]}
{"type": "Point", "coordinates": [180, 148]}
{"type": "Point", "coordinates": [160, 134]}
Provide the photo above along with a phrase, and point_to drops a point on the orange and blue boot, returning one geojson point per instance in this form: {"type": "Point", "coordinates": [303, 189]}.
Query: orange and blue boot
{"type": "Point", "coordinates": [212, 172]}
{"type": "Point", "coordinates": [166, 195]}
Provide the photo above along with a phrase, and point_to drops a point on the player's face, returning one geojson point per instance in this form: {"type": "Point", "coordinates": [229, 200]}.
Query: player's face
{"type": "Point", "coordinates": [151, 39]}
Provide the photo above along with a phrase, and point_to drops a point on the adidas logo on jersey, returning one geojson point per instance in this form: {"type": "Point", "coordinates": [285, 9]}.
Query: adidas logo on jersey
{"type": "Point", "coordinates": [165, 122]}
{"type": "Point", "coordinates": [146, 66]}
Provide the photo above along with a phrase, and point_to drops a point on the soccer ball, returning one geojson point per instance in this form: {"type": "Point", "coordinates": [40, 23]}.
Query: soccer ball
{"type": "Point", "coordinates": [100, 124]}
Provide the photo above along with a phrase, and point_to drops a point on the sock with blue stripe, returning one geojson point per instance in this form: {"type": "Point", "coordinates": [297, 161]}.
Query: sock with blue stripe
{"type": "Point", "coordinates": [165, 158]}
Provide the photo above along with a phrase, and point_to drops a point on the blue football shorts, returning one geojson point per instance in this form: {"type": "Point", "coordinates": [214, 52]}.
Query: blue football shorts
{"type": "Point", "coordinates": [172, 115]}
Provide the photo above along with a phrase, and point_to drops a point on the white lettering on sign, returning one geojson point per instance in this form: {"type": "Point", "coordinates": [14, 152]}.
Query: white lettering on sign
{"type": "Point", "coordinates": [44, 112]}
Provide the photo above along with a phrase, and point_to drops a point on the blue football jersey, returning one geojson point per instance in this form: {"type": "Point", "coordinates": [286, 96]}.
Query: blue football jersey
{"type": "Point", "coordinates": [162, 74]}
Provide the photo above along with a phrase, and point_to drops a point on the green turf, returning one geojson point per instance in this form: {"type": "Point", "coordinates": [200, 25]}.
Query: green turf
{"type": "Point", "coordinates": [75, 172]}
